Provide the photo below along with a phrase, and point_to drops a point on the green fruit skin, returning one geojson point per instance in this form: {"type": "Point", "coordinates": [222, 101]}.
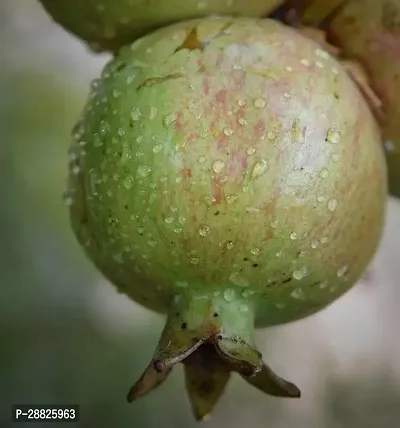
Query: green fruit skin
{"type": "Point", "coordinates": [109, 24]}
{"type": "Point", "coordinates": [369, 30]}
{"type": "Point", "coordinates": [251, 165]}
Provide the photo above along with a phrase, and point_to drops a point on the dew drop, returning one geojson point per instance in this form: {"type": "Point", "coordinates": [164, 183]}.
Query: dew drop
{"type": "Point", "coordinates": [201, 159]}
{"type": "Point", "coordinates": [204, 230]}
{"type": "Point", "coordinates": [136, 114]}
{"type": "Point", "coordinates": [323, 284]}
{"type": "Point", "coordinates": [151, 243]}
{"type": "Point", "coordinates": [324, 240]}
{"type": "Point", "coordinates": [209, 200]}
{"type": "Point", "coordinates": [194, 261]}
{"type": "Point", "coordinates": [242, 121]}
{"type": "Point", "coordinates": [153, 112]}
{"type": "Point", "coordinates": [128, 182]}
{"type": "Point", "coordinates": [229, 294]}
{"type": "Point", "coordinates": [259, 103]}
{"type": "Point", "coordinates": [332, 204]}
{"type": "Point", "coordinates": [144, 170]}
{"type": "Point", "coordinates": [298, 294]}
{"type": "Point", "coordinates": [314, 244]}
{"type": "Point", "coordinates": [170, 119]}
{"type": "Point", "coordinates": [228, 132]}
{"type": "Point", "coordinates": [230, 199]}
{"type": "Point", "coordinates": [255, 251]}
{"type": "Point", "coordinates": [300, 274]}
{"type": "Point", "coordinates": [228, 245]}
{"type": "Point", "coordinates": [250, 151]}
{"type": "Point", "coordinates": [341, 272]}
{"type": "Point", "coordinates": [271, 135]}
{"type": "Point", "coordinates": [157, 148]}
{"type": "Point", "coordinates": [259, 168]}
{"type": "Point", "coordinates": [169, 220]}
{"type": "Point", "coordinates": [237, 279]}
{"type": "Point", "coordinates": [324, 173]}
{"type": "Point", "coordinates": [218, 166]}
{"type": "Point", "coordinates": [333, 136]}
{"type": "Point", "coordinates": [140, 230]}
{"type": "Point", "coordinates": [241, 103]}
{"type": "Point", "coordinates": [320, 198]}
{"type": "Point", "coordinates": [305, 62]}
{"type": "Point", "coordinates": [293, 236]}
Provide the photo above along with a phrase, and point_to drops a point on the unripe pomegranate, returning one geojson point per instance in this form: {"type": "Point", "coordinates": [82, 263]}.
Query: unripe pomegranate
{"type": "Point", "coordinates": [229, 173]}
{"type": "Point", "coordinates": [109, 24]}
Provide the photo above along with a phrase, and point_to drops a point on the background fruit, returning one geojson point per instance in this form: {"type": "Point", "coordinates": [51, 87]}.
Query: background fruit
{"type": "Point", "coordinates": [108, 24]}
{"type": "Point", "coordinates": [369, 31]}
{"type": "Point", "coordinates": [228, 154]}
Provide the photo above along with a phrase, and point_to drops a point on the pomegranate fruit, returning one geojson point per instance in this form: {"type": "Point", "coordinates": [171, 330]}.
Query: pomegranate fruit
{"type": "Point", "coordinates": [109, 24]}
{"type": "Point", "coordinates": [229, 173]}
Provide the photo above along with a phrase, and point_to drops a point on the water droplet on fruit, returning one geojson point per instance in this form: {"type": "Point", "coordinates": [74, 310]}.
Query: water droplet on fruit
{"type": "Point", "coordinates": [153, 112]}
{"type": "Point", "coordinates": [324, 240]}
{"type": "Point", "coordinates": [228, 132]}
{"type": "Point", "coordinates": [229, 294]}
{"type": "Point", "coordinates": [255, 251]}
{"type": "Point", "coordinates": [288, 68]}
{"type": "Point", "coordinates": [169, 220]}
{"type": "Point", "coordinates": [320, 198]}
{"type": "Point", "coordinates": [259, 103]}
{"type": "Point", "coordinates": [242, 121]}
{"type": "Point", "coordinates": [201, 159]}
{"type": "Point", "coordinates": [181, 284]}
{"type": "Point", "coordinates": [170, 119]}
{"type": "Point", "coordinates": [335, 157]}
{"type": "Point", "coordinates": [342, 271]}
{"type": "Point", "coordinates": [293, 236]}
{"type": "Point", "coordinates": [128, 182]}
{"type": "Point", "coordinates": [140, 230]}
{"type": "Point", "coordinates": [204, 230]}
{"type": "Point", "coordinates": [237, 279]}
{"type": "Point", "coordinates": [218, 166]}
{"type": "Point", "coordinates": [314, 244]}
{"type": "Point", "coordinates": [230, 199]}
{"type": "Point", "coordinates": [151, 243]}
{"type": "Point", "coordinates": [250, 151]}
{"type": "Point", "coordinates": [332, 204]}
{"type": "Point", "coordinates": [324, 173]}
{"type": "Point", "coordinates": [194, 261]}
{"type": "Point", "coordinates": [333, 136]}
{"type": "Point", "coordinates": [271, 135]}
{"type": "Point", "coordinates": [241, 103]}
{"type": "Point", "coordinates": [300, 274]}
{"type": "Point", "coordinates": [259, 168]}
{"type": "Point", "coordinates": [228, 245]}
{"type": "Point", "coordinates": [144, 170]}
{"type": "Point", "coordinates": [157, 148]}
{"type": "Point", "coordinates": [298, 294]}
{"type": "Point", "coordinates": [136, 114]}
{"type": "Point", "coordinates": [323, 284]}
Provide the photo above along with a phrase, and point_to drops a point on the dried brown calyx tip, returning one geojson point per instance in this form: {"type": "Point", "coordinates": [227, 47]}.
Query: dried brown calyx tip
{"type": "Point", "coordinates": [212, 338]}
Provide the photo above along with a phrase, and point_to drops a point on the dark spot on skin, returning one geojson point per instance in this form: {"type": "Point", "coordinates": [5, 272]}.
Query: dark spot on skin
{"type": "Point", "coordinates": [184, 325]}
{"type": "Point", "coordinates": [217, 213]}
{"type": "Point", "coordinates": [151, 81]}
{"type": "Point", "coordinates": [298, 253]}
{"type": "Point", "coordinates": [240, 270]}
{"type": "Point", "coordinates": [255, 265]}
{"type": "Point", "coordinates": [177, 314]}
{"type": "Point", "coordinates": [287, 280]}
{"type": "Point", "coordinates": [219, 337]}
{"type": "Point", "coordinates": [126, 206]}
{"type": "Point", "coordinates": [245, 259]}
{"type": "Point", "coordinates": [235, 340]}
{"type": "Point", "coordinates": [215, 315]}
{"type": "Point", "coordinates": [336, 95]}
{"type": "Point", "coordinates": [191, 42]}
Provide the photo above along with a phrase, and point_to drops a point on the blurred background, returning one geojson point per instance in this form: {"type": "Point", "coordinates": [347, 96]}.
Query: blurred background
{"type": "Point", "coordinates": [66, 336]}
